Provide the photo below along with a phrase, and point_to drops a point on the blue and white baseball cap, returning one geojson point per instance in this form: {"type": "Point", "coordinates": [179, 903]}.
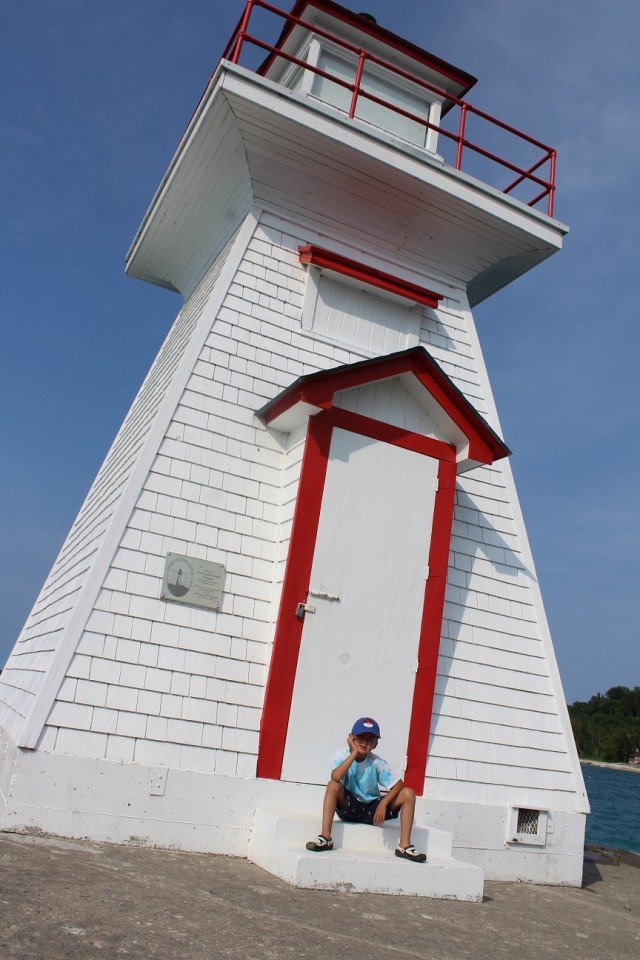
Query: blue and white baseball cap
{"type": "Point", "coordinates": [366, 725]}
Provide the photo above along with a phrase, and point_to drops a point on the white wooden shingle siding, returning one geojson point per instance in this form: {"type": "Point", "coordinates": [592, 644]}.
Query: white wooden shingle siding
{"type": "Point", "coordinates": [162, 683]}
{"type": "Point", "coordinates": [39, 640]}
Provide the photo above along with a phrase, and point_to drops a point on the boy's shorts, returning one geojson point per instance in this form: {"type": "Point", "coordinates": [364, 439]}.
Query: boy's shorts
{"type": "Point", "coordinates": [362, 811]}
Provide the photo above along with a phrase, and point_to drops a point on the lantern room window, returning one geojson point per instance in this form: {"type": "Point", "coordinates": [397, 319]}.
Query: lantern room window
{"type": "Point", "coordinates": [377, 81]}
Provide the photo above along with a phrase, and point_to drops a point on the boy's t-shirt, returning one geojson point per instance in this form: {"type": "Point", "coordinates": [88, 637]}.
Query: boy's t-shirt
{"type": "Point", "coordinates": [365, 778]}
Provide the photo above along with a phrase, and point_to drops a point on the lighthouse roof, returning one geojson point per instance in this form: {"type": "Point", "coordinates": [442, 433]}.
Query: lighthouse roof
{"type": "Point", "coordinates": [360, 29]}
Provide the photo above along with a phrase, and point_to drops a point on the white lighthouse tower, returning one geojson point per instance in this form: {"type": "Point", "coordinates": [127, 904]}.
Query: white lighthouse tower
{"type": "Point", "coordinates": [308, 513]}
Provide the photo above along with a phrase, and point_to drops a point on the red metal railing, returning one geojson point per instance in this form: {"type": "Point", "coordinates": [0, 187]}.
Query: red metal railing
{"type": "Point", "coordinates": [458, 136]}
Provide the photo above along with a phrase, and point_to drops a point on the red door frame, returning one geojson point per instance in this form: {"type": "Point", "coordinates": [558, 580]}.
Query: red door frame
{"type": "Point", "coordinates": [288, 632]}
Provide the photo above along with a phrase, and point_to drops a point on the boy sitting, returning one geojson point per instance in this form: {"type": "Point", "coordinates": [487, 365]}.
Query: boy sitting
{"type": "Point", "coordinates": [354, 791]}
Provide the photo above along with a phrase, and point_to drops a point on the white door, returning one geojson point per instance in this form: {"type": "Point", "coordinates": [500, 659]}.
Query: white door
{"type": "Point", "coordinates": [358, 649]}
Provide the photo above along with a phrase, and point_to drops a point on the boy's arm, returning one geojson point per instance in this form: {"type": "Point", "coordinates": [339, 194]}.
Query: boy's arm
{"type": "Point", "coordinates": [381, 809]}
{"type": "Point", "coordinates": [340, 772]}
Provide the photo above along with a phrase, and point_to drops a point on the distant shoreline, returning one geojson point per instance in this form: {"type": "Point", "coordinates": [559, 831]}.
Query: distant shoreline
{"type": "Point", "coordinates": [611, 766]}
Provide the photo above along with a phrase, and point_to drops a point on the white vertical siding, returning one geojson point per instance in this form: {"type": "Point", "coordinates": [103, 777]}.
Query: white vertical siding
{"type": "Point", "coordinates": [345, 313]}
{"type": "Point", "coordinates": [390, 402]}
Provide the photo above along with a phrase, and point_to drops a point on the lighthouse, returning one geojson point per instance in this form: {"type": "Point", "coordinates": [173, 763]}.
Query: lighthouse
{"type": "Point", "coordinates": [308, 513]}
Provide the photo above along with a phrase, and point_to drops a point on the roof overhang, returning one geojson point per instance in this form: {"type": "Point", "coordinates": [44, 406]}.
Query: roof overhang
{"type": "Point", "coordinates": [469, 434]}
{"type": "Point", "coordinates": [254, 143]}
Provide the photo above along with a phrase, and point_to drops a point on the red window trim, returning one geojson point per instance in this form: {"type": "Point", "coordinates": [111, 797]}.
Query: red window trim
{"type": "Point", "coordinates": [320, 257]}
{"type": "Point", "coordinates": [288, 633]}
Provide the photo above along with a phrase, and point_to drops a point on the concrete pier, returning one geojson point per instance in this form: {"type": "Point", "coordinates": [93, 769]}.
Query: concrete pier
{"type": "Point", "coordinates": [78, 900]}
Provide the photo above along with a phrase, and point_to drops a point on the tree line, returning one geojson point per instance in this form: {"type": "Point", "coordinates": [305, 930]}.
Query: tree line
{"type": "Point", "coordinates": [607, 727]}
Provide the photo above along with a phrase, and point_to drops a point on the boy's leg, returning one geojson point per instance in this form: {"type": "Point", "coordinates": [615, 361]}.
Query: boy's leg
{"type": "Point", "coordinates": [334, 796]}
{"type": "Point", "coordinates": [406, 801]}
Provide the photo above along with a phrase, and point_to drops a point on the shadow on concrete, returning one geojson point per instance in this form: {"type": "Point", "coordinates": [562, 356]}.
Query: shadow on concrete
{"type": "Point", "coordinates": [590, 872]}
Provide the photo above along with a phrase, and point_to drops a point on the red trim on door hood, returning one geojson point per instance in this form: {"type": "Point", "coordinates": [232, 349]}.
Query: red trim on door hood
{"type": "Point", "coordinates": [318, 389]}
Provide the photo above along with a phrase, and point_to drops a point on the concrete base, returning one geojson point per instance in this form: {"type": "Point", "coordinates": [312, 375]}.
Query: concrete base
{"type": "Point", "coordinates": [363, 859]}
{"type": "Point", "coordinates": [104, 800]}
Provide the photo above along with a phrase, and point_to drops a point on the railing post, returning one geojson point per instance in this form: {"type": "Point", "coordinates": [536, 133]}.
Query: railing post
{"type": "Point", "coordinates": [461, 128]}
{"type": "Point", "coordinates": [356, 86]}
{"type": "Point", "coordinates": [242, 31]}
{"type": "Point", "coordinates": [552, 183]}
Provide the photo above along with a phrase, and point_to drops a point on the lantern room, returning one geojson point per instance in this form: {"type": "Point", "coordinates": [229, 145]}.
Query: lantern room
{"type": "Point", "coordinates": [313, 112]}
{"type": "Point", "coordinates": [349, 63]}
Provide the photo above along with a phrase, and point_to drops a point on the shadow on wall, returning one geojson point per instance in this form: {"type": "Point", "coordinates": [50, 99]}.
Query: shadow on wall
{"type": "Point", "coordinates": [487, 590]}
{"type": "Point", "coordinates": [434, 332]}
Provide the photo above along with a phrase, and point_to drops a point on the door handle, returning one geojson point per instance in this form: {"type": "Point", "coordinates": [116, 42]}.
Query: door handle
{"type": "Point", "coordinates": [323, 595]}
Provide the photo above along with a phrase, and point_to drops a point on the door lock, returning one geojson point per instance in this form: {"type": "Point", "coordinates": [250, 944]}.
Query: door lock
{"type": "Point", "coordinates": [303, 608]}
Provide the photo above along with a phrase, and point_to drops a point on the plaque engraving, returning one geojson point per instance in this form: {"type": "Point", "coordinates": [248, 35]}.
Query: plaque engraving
{"type": "Point", "coordinates": [187, 580]}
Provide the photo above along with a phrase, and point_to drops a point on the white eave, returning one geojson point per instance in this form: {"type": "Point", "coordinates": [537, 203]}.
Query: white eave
{"type": "Point", "coordinates": [252, 142]}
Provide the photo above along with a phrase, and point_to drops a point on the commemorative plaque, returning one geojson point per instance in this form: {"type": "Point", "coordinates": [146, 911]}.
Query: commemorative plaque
{"type": "Point", "coordinates": [187, 580]}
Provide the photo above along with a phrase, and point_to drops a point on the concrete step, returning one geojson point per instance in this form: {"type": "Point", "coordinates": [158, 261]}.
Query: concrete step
{"type": "Point", "coordinates": [362, 860]}
{"type": "Point", "coordinates": [296, 830]}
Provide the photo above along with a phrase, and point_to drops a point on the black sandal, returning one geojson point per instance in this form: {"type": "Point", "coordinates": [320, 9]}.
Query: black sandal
{"type": "Point", "coordinates": [410, 853]}
{"type": "Point", "coordinates": [320, 843]}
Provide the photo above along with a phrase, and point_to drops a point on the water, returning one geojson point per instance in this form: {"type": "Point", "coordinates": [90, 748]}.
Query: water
{"type": "Point", "coordinates": [615, 807]}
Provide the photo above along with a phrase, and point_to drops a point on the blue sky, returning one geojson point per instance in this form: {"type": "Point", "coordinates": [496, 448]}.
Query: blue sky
{"type": "Point", "coordinates": [99, 96]}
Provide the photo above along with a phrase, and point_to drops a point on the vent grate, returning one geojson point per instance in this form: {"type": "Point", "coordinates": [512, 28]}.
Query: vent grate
{"type": "Point", "coordinates": [528, 822]}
